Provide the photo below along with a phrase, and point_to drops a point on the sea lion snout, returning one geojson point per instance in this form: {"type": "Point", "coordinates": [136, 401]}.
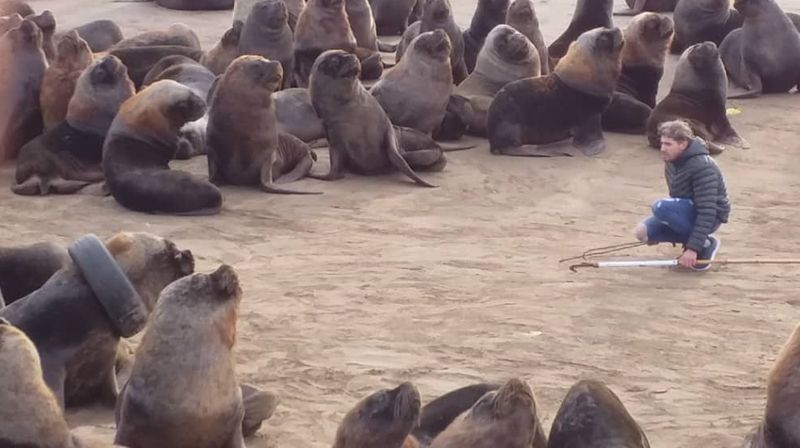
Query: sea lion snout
{"type": "Point", "coordinates": [225, 281]}
{"type": "Point", "coordinates": [703, 54]}
{"type": "Point", "coordinates": [407, 401]}
{"type": "Point", "coordinates": [189, 108]}
{"type": "Point", "coordinates": [68, 43]}
{"type": "Point", "coordinates": [183, 259]}
{"type": "Point", "coordinates": [339, 64]}
{"type": "Point", "coordinates": [105, 71]}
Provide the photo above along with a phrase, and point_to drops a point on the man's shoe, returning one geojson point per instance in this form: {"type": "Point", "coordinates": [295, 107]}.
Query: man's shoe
{"type": "Point", "coordinates": [708, 253]}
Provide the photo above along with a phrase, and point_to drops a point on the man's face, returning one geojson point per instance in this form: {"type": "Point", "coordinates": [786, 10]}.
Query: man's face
{"type": "Point", "coordinates": [671, 149]}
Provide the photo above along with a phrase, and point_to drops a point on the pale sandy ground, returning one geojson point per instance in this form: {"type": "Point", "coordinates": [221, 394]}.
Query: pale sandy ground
{"type": "Point", "coordinates": [378, 281]}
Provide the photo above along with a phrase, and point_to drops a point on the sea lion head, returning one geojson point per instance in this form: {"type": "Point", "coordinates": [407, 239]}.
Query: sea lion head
{"type": "Point", "coordinates": [592, 63]}
{"type": "Point", "coordinates": [271, 14]}
{"type": "Point", "coordinates": [225, 51]}
{"type": "Point", "coordinates": [26, 37]}
{"type": "Point", "coordinates": [73, 51]}
{"type": "Point", "coordinates": [749, 8]}
{"type": "Point", "coordinates": [233, 34]}
{"type": "Point", "coordinates": [335, 68]}
{"type": "Point", "coordinates": [436, 11]}
{"type": "Point", "coordinates": [254, 72]}
{"type": "Point", "coordinates": [647, 39]}
{"type": "Point", "coordinates": [432, 45]}
{"type": "Point", "coordinates": [9, 22]}
{"type": "Point", "coordinates": [702, 56]}
{"type": "Point", "coordinates": [507, 55]}
{"type": "Point", "coordinates": [383, 419]}
{"type": "Point", "coordinates": [46, 21]}
{"type": "Point", "coordinates": [521, 11]}
{"type": "Point", "coordinates": [700, 69]}
{"type": "Point", "coordinates": [99, 92]}
{"type": "Point", "coordinates": [150, 262]}
{"type": "Point", "coordinates": [510, 45]}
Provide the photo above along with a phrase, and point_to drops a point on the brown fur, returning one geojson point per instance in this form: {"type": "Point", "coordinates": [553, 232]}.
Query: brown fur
{"type": "Point", "coordinates": [581, 70]}
{"type": "Point", "coordinates": [225, 51]}
{"type": "Point", "coordinates": [393, 414]}
{"type": "Point", "coordinates": [60, 78]}
{"type": "Point", "coordinates": [177, 34]}
{"type": "Point", "coordinates": [323, 25]}
{"type": "Point", "coordinates": [94, 106]}
{"type": "Point", "coordinates": [647, 40]}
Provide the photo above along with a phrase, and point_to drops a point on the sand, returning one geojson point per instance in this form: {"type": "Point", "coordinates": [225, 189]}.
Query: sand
{"type": "Point", "coordinates": [379, 281]}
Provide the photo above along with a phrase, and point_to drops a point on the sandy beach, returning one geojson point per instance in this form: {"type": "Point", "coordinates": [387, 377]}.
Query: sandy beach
{"type": "Point", "coordinates": [378, 281]}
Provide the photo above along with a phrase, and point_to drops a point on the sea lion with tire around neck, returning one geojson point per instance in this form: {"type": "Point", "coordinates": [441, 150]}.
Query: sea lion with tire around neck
{"type": "Point", "coordinates": [438, 14]}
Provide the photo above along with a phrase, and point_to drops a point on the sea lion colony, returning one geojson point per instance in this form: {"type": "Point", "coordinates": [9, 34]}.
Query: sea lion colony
{"type": "Point", "coordinates": [90, 107]}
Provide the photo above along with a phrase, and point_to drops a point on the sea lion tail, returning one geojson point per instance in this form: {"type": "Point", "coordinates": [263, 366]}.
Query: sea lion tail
{"type": "Point", "coordinates": [258, 406]}
{"type": "Point", "coordinates": [401, 164]}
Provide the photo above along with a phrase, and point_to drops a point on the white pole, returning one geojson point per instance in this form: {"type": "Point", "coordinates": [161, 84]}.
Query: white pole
{"type": "Point", "coordinates": [638, 263]}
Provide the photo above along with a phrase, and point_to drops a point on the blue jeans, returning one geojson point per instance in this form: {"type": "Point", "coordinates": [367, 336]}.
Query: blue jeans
{"type": "Point", "coordinates": [672, 221]}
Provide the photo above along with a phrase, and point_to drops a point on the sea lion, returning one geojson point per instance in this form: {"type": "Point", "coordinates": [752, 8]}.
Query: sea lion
{"type": "Point", "coordinates": [9, 7]}
{"type": "Point", "coordinates": [9, 22]}
{"type": "Point", "coordinates": [362, 23]}
{"type": "Point", "coordinates": [323, 25]}
{"type": "Point", "coordinates": [392, 16]}
{"type": "Point", "coordinates": [647, 39]}
{"type": "Point", "coordinates": [140, 60]}
{"type": "Point", "coordinates": [504, 418]}
{"type": "Point", "coordinates": [295, 115]}
{"type": "Point", "coordinates": [697, 96]}
{"type": "Point", "coordinates": [186, 71]}
{"type": "Point", "coordinates": [566, 103]}
{"type": "Point", "coordinates": [382, 419]}
{"type": "Point", "coordinates": [194, 5]}
{"type": "Point", "coordinates": [636, 7]}
{"type": "Point", "coordinates": [218, 58]}
{"type": "Point", "coordinates": [266, 33]}
{"type": "Point", "coordinates": [592, 412]}
{"type": "Point", "coordinates": [141, 142]}
{"type": "Point", "coordinates": [242, 8]}
{"type": "Point", "coordinates": [522, 17]}
{"type": "Point", "coordinates": [437, 415]}
{"type": "Point", "coordinates": [60, 78]}
{"type": "Point", "coordinates": [488, 14]}
{"type": "Point", "coordinates": [47, 23]}
{"type": "Point", "coordinates": [360, 135]}
{"type": "Point", "coordinates": [244, 147]}
{"type": "Point", "coordinates": [31, 416]}
{"type": "Point", "coordinates": [779, 428]}
{"type": "Point", "coordinates": [415, 92]}
{"type": "Point", "coordinates": [185, 359]}
{"type": "Point", "coordinates": [177, 34]}
{"type": "Point", "coordinates": [24, 269]}
{"type": "Point", "coordinates": [72, 330]}
{"type": "Point", "coordinates": [506, 56]}
{"type": "Point", "coordinates": [438, 14]}
{"type": "Point", "coordinates": [764, 55]}
{"type": "Point", "coordinates": [100, 34]}
{"type": "Point", "coordinates": [20, 83]}
{"type": "Point", "coordinates": [698, 21]}
{"type": "Point", "coordinates": [589, 14]}
{"type": "Point", "coordinates": [67, 157]}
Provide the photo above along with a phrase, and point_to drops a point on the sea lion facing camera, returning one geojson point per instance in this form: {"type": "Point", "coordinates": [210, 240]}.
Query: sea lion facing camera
{"type": "Point", "coordinates": [697, 96]}
{"type": "Point", "coordinates": [764, 55]}
{"type": "Point", "coordinates": [779, 428]}
{"type": "Point", "coordinates": [488, 14]}
{"type": "Point", "coordinates": [415, 92]}
{"type": "Point", "coordinates": [698, 21]}
{"type": "Point", "coordinates": [323, 25]}
{"type": "Point", "coordinates": [185, 360]}
{"type": "Point", "coordinates": [566, 103]}
{"type": "Point", "coordinates": [141, 142]}
{"type": "Point", "coordinates": [243, 140]}
{"type": "Point", "coordinates": [20, 84]}
{"type": "Point", "coordinates": [647, 39]}
{"type": "Point", "coordinates": [73, 330]}
{"type": "Point", "coordinates": [266, 33]}
{"type": "Point", "coordinates": [637, 7]}
{"type": "Point", "coordinates": [589, 14]}
{"type": "Point", "coordinates": [9, 7]}
{"type": "Point", "coordinates": [438, 14]}
{"type": "Point", "coordinates": [522, 17]}
{"type": "Point", "coordinates": [67, 157]}
{"type": "Point", "coordinates": [504, 418]}
{"type": "Point", "coordinates": [218, 58]}
{"type": "Point", "coordinates": [100, 34]}
{"type": "Point", "coordinates": [60, 78]}
{"type": "Point", "coordinates": [391, 16]}
{"type": "Point", "coordinates": [24, 269]}
{"type": "Point", "coordinates": [360, 135]}
{"type": "Point", "coordinates": [382, 419]}
{"type": "Point", "coordinates": [592, 412]}
{"type": "Point", "coordinates": [177, 34]}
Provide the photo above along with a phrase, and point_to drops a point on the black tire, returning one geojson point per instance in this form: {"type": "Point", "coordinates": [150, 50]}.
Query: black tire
{"type": "Point", "coordinates": [119, 298]}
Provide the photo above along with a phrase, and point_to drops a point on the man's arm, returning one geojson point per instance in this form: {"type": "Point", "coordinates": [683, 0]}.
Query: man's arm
{"type": "Point", "coordinates": [705, 184]}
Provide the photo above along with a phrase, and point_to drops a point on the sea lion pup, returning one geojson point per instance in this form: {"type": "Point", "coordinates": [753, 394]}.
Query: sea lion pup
{"type": "Point", "coordinates": [698, 21]}
{"type": "Point", "coordinates": [194, 5]}
{"type": "Point", "coordinates": [142, 140]}
{"type": "Point", "coordinates": [67, 158]}
{"type": "Point", "coordinates": [566, 103]}
{"type": "Point", "coordinates": [589, 14]}
{"type": "Point", "coordinates": [392, 16]}
{"type": "Point", "coordinates": [697, 96]}
{"type": "Point", "coordinates": [488, 14]}
{"type": "Point", "coordinates": [438, 14]}
{"type": "Point", "coordinates": [636, 7]}
{"type": "Point", "coordinates": [100, 34]}
{"type": "Point", "coordinates": [359, 14]}
{"type": "Point", "coordinates": [592, 415]}
{"type": "Point", "coordinates": [9, 7]}
{"type": "Point", "coordinates": [323, 25]}
{"type": "Point", "coordinates": [266, 33]}
{"type": "Point", "coordinates": [522, 17]}
{"type": "Point", "coordinates": [779, 428]}
{"type": "Point", "coordinates": [382, 419]}
{"type": "Point", "coordinates": [647, 38]}
{"type": "Point", "coordinates": [60, 78]}
{"type": "Point", "coordinates": [140, 60]}
{"type": "Point", "coordinates": [244, 147]}
{"type": "Point", "coordinates": [20, 83]}
{"type": "Point", "coordinates": [415, 92]}
{"type": "Point", "coordinates": [295, 115]}
{"type": "Point", "coordinates": [178, 34]}
{"type": "Point", "coordinates": [242, 8]}
{"type": "Point", "coordinates": [73, 331]}
{"type": "Point", "coordinates": [506, 56]}
{"type": "Point", "coordinates": [360, 135]}
{"type": "Point", "coordinates": [47, 23]}
{"type": "Point", "coordinates": [764, 55]}
{"type": "Point", "coordinates": [218, 58]}
{"type": "Point", "coordinates": [31, 416]}
{"type": "Point", "coordinates": [437, 415]}
{"type": "Point", "coordinates": [183, 391]}
{"type": "Point", "coordinates": [505, 418]}
{"type": "Point", "coordinates": [9, 22]}
{"type": "Point", "coordinates": [25, 269]}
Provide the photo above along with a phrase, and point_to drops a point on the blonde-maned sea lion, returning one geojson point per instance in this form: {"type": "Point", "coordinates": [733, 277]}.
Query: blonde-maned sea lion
{"type": "Point", "coordinates": [522, 17]}
{"type": "Point", "coordinates": [219, 57]}
{"type": "Point", "coordinates": [382, 419]}
{"type": "Point", "coordinates": [58, 84]}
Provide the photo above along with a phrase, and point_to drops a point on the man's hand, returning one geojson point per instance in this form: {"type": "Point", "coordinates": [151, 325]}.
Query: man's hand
{"type": "Point", "coordinates": [688, 258]}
